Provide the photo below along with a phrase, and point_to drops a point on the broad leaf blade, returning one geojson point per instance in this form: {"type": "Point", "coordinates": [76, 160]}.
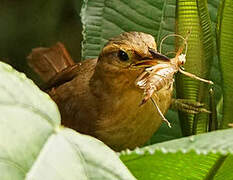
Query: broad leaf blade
{"type": "Point", "coordinates": [177, 166]}
{"type": "Point", "coordinates": [22, 103]}
{"type": "Point", "coordinates": [20, 142]}
{"type": "Point", "coordinates": [225, 171]}
{"type": "Point", "coordinates": [15, 88]}
{"type": "Point", "coordinates": [104, 19]}
{"type": "Point", "coordinates": [225, 43]}
{"type": "Point", "coordinates": [35, 146]}
{"type": "Point", "coordinates": [196, 157]}
{"type": "Point", "coordinates": [193, 16]}
{"type": "Point", "coordinates": [82, 155]}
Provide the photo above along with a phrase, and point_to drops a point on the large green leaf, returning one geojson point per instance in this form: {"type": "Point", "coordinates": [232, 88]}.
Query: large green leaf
{"type": "Point", "coordinates": [104, 19]}
{"type": "Point", "coordinates": [225, 44]}
{"type": "Point", "coordinates": [193, 16]}
{"type": "Point", "coordinates": [196, 157]}
{"type": "Point", "coordinates": [33, 145]}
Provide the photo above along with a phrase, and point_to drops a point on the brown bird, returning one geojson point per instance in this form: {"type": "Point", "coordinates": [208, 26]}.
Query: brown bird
{"type": "Point", "coordinates": [99, 96]}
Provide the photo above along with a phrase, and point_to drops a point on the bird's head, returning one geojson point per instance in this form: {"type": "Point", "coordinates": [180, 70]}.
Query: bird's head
{"type": "Point", "coordinates": [125, 57]}
{"type": "Point", "coordinates": [131, 51]}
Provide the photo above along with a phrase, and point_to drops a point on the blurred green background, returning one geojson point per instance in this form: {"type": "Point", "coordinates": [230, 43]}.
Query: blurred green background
{"type": "Point", "coordinates": [28, 24]}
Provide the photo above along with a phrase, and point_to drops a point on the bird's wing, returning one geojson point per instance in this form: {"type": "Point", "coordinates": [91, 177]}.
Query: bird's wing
{"type": "Point", "coordinates": [62, 77]}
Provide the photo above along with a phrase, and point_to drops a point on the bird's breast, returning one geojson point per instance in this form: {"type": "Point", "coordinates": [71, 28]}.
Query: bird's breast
{"type": "Point", "coordinates": [124, 124]}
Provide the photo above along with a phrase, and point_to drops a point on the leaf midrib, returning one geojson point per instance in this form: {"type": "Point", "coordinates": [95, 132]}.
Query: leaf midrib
{"type": "Point", "coordinates": [217, 165]}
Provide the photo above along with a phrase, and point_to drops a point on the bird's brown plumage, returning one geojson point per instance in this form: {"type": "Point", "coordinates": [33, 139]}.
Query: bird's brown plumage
{"type": "Point", "coordinates": [100, 98]}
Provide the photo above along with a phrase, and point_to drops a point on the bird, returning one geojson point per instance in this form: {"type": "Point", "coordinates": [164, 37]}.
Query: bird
{"type": "Point", "coordinates": [98, 97]}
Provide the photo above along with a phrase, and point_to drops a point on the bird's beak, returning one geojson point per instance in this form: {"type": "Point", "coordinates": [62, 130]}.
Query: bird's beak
{"type": "Point", "coordinates": [144, 63]}
{"type": "Point", "coordinates": [157, 55]}
{"type": "Point", "coordinates": [155, 58]}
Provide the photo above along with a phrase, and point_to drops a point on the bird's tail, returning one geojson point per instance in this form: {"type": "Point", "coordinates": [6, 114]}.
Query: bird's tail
{"type": "Point", "coordinates": [47, 62]}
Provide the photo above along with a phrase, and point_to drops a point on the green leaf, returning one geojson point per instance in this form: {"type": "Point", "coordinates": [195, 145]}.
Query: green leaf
{"type": "Point", "coordinates": [225, 44]}
{"type": "Point", "coordinates": [33, 145]}
{"type": "Point", "coordinates": [215, 72]}
{"type": "Point", "coordinates": [104, 19]}
{"type": "Point", "coordinates": [225, 171]}
{"type": "Point", "coordinates": [193, 16]}
{"type": "Point", "coordinates": [196, 157]}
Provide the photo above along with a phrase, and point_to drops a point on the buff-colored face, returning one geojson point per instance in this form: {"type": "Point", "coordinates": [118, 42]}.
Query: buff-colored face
{"type": "Point", "coordinates": [131, 49]}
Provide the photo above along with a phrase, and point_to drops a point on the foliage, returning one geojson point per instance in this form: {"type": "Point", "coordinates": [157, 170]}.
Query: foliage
{"type": "Point", "coordinates": [205, 156]}
{"type": "Point", "coordinates": [225, 43]}
{"type": "Point", "coordinates": [193, 16]}
{"type": "Point", "coordinates": [35, 146]}
{"type": "Point", "coordinates": [104, 19]}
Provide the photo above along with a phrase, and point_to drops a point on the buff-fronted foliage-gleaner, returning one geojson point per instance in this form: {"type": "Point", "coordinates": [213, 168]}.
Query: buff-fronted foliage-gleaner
{"type": "Point", "coordinates": [99, 97]}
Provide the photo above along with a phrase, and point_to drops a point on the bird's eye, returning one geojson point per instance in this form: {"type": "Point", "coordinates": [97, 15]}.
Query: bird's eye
{"type": "Point", "coordinates": [123, 56]}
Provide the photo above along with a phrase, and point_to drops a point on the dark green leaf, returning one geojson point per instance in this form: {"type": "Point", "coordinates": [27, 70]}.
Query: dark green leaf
{"type": "Point", "coordinates": [104, 19]}
{"type": "Point", "coordinates": [225, 44]}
